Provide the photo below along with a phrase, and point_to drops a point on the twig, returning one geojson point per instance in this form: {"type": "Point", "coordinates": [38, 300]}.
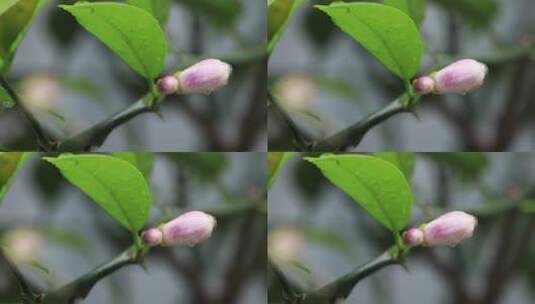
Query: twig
{"type": "Point", "coordinates": [80, 288]}
{"type": "Point", "coordinates": [342, 287]}
{"type": "Point", "coordinates": [301, 139]}
{"type": "Point", "coordinates": [353, 135]}
{"type": "Point", "coordinates": [97, 134]}
{"type": "Point", "coordinates": [28, 294]}
{"type": "Point", "coordinates": [44, 141]}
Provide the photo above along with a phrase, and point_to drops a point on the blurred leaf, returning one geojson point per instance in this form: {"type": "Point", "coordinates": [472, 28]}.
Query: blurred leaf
{"type": "Point", "coordinates": [338, 87]}
{"type": "Point", "coordinates": [39, 266]}
{"type": "Point", "coordinates": [158, 8]}
{"type": "Point", "coordinates": [318, 26]}
{"type": "Point", "coordinates": [387, 33]}
{"type": "Point", "coordinates": [10, 164]}
{"type": "Point", "coordinates": [414, 8]}
{"type": "Point", "coordinates": [62, 25]}
{"type": "Point", "coordinates": [276, 161]}
{"type": "Point", "coordinates": [68, 240]}
{"type": "Point", "coordinates": [206, 165]}
{"type": "Point", "coordinates": [47, 180]}
{"type": "Point", "coordinates": [6, 4]}
{"type": "Point", "coordinates": [82, 86]}
{"type": "Point", "coordinates": [130, 32]}
{"type": "Point", "coordinates": [279, 14]}
{"type": "Point", "coordinates": [220, 12]}
{"type": "Point", "coordinates": [5, 100]}
{"type": "Point", "coordinates": [309, 180]}
{"type": "Point", "coordinates": [528, 206]}
{"type": "Point", "coordinates": [114, 184]}
{"type": "Point", "coordinates": [404, 161]}
{"type": "Point", "coordinates": [327, 239]}
{"type": "Point", "coordinates": [14, 23]}
{"type": "Point", "coordinates": [468, 166]}
{"type": "Point", "coordinates": [376, 185]}
{"type": "Point", "coordinates": [478, 13]}
{"type": "Point", "coordinates": [143, 161]}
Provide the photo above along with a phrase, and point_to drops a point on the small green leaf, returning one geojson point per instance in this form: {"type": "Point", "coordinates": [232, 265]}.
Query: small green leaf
{"type": "Point", "coordinates": [114, 184]}
{"type": "Point", "coordinates": [132, 33]}
{"type": "Point", "coordinates": [10, 164]}
{"type": "Point", "coordinates": [207, 166]}
{"type": "Point", "coordinates": [158, 8]}
{"type": "Point", "coordinates": [477, 13]}
{"type": "Point", "coordinates": [376, 185]}
{"type": "Point", "coordinates": [221, 13]}
{"type": "Point", "coordinates": [468, 166]}
{"type": "Point", "coordinates": [143, 161]}
{"type": "Point", "coordinates": [414, 8]}
{"type": "Point", "coordinates": [14, 23]}
{"type": "Point", "coordinates": [387, 33]}
{"type": "Point", "coordinates": [276, 161]}
{"type": "Point", "coordinates": [404, 161]}
{"type": "Point", "coordinates": [279, 14]}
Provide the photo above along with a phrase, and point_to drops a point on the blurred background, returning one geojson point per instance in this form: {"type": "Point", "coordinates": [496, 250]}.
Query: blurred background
{"type": "Point", "coordinates": [71, 81]}
{"type": "Point", "coordinates": [55, 233]}
{"type": "Point", "coordinates": [317, 233]}
{"type": "Point", "coordinates": [327, 81]}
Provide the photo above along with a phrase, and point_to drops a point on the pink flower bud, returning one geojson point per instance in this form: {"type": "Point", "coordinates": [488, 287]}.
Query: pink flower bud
{"type": "Point", "coordinates": [460, 77]}
{"type": "Point", "coordinates": [188, 229]}
{"type": "Point", "coordinates": [449, 229]}
{"type": "Point", "coordinates": [204, 77]}
{"type": "Point", "coordinates": [167, 85]}
{"type": "Point", "coordinates": [413, 237]}
{"type": "Point", "coordinates": [152, 237]}
{"type": "Point", "coordinates": [424, 85]}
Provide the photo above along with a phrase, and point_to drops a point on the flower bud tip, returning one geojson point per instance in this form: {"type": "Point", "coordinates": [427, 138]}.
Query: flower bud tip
{"type": "Point", "coordinates": [204, 77]}
{"type": "Point", "coordinates": [188, 229]}
{"type": "Point", "coordinates": [152, 237]}
{"type": "Point", "coordinates": [424, 85]}
{"type": "Point", "coordinates": [460, 77]}
{"type": "Point", "coordinates": [413, 237]}
{"type": "Point", "coordinates": [449, 229]}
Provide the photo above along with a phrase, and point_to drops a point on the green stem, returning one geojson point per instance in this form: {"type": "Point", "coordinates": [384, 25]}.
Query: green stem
{"type": "Point", "coordinates": [97, 134]}
{"type": "Point", "coordinates": [28, 295]}
{"type": "Point", "coordinates": [354, 134]}
{"type": "Point", "coordinates": [43, 139]}
{"type": "Point", "coordinates": [80, 288]}
{"type": "Point", "coordinates": [342, 287]}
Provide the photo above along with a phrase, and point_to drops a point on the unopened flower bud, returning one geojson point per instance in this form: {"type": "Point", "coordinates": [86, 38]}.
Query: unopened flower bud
{"type": "Point", "coordinates": [449, 229]}
{"type": "Point", "coordinates": [152, 237]}
{"type": "Point", "coordinates": [413, 237]}
{"type": "Point", "coordinates": [204, 77]}
{"type": "Point", "coordinates": [424, 85]}
{"type": "Point", "coordinates": [188, 229]}
{"type": "Point", "coordinates": [460, 77]}
{"type": "Point", "coordinates": [167, 85]}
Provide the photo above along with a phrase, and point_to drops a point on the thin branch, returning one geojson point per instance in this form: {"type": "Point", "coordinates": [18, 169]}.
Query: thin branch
{"type": "Point", "coordinates": [354, 134]}
{"type": "Point", "coordinates": [44, 141]}
{"type": "Point", "coordinates": [301, 139]}
{"type": "Point", "coordinates": [80, 288]}
{"type": "Point", "coordinates": [96, 135]}
{"type": "Point", "coordinates": [342, 287]}
{"type": "Point", "coordinates": [28, 294]}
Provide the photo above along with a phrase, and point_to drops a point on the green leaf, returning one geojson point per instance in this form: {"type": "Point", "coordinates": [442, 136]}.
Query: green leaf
{"type": "Point", "coordinates": [376, 185]}
{"type": "Point", "coordinates": [114, 184]}
{"type": "Point", "coordinates": [14, 23]}
{"type": "Point", "coordinates": [10, 164]}
{"type": "Point", "coordinates": [7, 4]}
{"type": "Point", "coordinates": [387, 33]}
{"type": "Point", "coordinates": [132, 33]}
{"type": "Point", "coordinates": [158, 8]}
{"type": "Point", "coordinates": [414, 8]}
{"type": "Point", "coordinates": [404, 161]}
{"type": "Point", "coordinates": [276, 161]}
{"type": "Point", "coordinates": [279, 14]}
{"type": "Point", "coordinates": [143, 161]}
